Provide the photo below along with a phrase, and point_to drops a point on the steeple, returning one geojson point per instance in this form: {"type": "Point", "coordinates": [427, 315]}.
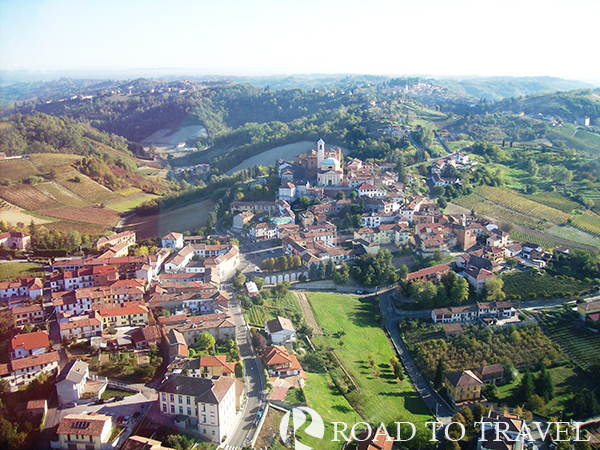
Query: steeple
{"type": "Point", "coordinates": [320, 152]}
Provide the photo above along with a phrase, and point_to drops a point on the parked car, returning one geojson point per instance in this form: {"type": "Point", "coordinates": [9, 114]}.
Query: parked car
{"type": "Point", "coordinates": [118, 398]}
{"type": "Point", "coordinates": [100, 401]}
{"type": "Point", "coordinates": [120, 419]}
{"type": "Point", "coordinates": [360, 292]}
{"type": "Point", "coordinates": [126, 420]}
{"type": "Point", "coordinates": [136, 414]}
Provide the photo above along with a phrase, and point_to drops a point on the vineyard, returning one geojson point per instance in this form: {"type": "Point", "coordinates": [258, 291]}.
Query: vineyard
{"type": "Point", "coordinates": [531, 285]}
{"type": "Point", "coordinates": [257, 316]}
{"type": "Point", "coordinates": [99, 216]}
{"type": "Point", "coordinates": [582, 345]}
{"type": "Point", "coordinates": [588, 221]}
{"type": "Point", "coordinates": [286, 307]}
{"type": "Point", "coordinates": [523, 237]}
{"type": "Point", "coordinates": [28, 197]}
{"type": "Point", "coordinates": [556, 201]}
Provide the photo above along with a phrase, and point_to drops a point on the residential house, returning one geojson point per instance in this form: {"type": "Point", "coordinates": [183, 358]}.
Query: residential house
{"type": "Point", "coordinates": [493, 374]}
{"type": "Point", "coordinates": [220, 326]}
{"type": "Point", "coordinates": [207, 366]}
{"type": "Point", "coordinates": [463, 386]}
{"type": "Point", "coordinates": [281, 331]}
{"type": "Point", "coordinates": [173, 241]}
{"type": "Point", "coordinates": [15, 240]}
{"type": "Point", "coordinates": [80, 326]}
{"type": "Point", "coordinates": [143, 443]}
{"type": "Point", "coordinates": [124, 316]}
{"type": "Point", "coordinates": [374, 439]}
{"type": "Point", "coordinates": [280, 363]}
{"type": "Point", "coordinates": [145, 337]}
{"type": "Point", "coordinates": [241, 219]}
{"type": "Point", "coordinates": [27, 315]}
{"type": "Point", "coordinates": [209, 405]}
{"type": "Point", "coordinates": [84, 431]}
{"type": "Point", "coordinates": [126, 237]}
{"type": "Point", "coordinates": [28, 344]}
{"type": "Point", "coordinates": [429, 273]}
{"type": "Point", "coordinates": [25, 287]}
{"type": "Point", "coordinates": [589, 310]}
{"type": "Point", "coordinates": [509, 438]}
{"type": "Point", "coordinates": [486, 310]}
{"type": "Point", "coordinates": [70, 383]}
{"type": "Point", "coordinates": [368, 190]}
{"type": "Point", "coordinates": [478, 277]}
{"type": "Point", "coordinates": [23, 370]}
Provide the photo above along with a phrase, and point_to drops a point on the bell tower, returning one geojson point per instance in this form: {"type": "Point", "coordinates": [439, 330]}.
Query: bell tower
{"type": "Point", "coordinates": [320, 152]}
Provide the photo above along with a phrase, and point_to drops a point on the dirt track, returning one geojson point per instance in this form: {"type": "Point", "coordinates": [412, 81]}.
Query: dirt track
{"type": "Point", "coordinates": [308, 314]}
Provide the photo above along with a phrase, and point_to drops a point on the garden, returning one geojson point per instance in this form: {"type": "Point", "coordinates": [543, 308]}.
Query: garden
{"type": "Point", "coordinates": [532, 284]}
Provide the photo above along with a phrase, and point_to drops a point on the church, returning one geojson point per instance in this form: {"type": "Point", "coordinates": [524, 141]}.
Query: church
{"type": "Point", "coordinates": [321, 164]}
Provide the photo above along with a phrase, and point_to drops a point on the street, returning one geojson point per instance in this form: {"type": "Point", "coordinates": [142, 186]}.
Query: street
{"type": "Point", "coordinates": [253, 380]}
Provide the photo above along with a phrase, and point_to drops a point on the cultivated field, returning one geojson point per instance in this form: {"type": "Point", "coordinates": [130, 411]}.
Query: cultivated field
{"type": "Point", "coordinates": [168, 137]}
{"type": "Point", "coordinates": [97, 216]}
{"type": "Point", "coordinates": [12, 271]}
{"type": "Point", "coordinates": [129, 203]}
{"type": "Point", "coordinates": [588, 221]}
{"type": "Point", "coordinates": [575, 235]}
{"type": "Point", "coordinates": [15, 170]}
{"type": "Point", "coordinates": [62, 195]}
{"type": "Point", "coordinates": [383, 398]}
{"type": "Point", "coordinates": [286, 152]}
{"type": "Point", "coordinates": [86, 188]}
{"type": "Point", "coordinates": [556, 201]}
{"type": "Point", "coordinates": [530, 285]}
{"type": "Point", "coordinates": [64, 226]}
{"type": "Point", "coordinates": [28, 197]}
{"type": "Point", "coordinates": [188, 218]}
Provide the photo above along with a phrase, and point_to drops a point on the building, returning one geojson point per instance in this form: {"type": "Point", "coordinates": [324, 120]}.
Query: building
{"type": "Point", "coordinates": [281, 330]}
{"type": "Point", "coordinates": [378, 439]}
{"type": "Point", "coordinates": [23, 370]}
{"type": "Point", "coordinates": [79, 327]}
{"type": "Point", "coordinates": [84, 431]}
{"type": "Point", "coordinates": [25, 287]}
{"type": "Point", "coordinates": [463, 386]}
{"type": "Point", "coordinates": [493, 374]}
{"type": "Point", "coordinates": [207, 404]}
{"type": "Point", "coordinates": [126, 237]}
{"type": "Point", "coordinates": [589, 310]}
{"type": "Point", "coordinates": [241, 219]}
{"type": "Point", "coordinates": [70, 383]}
{"type": "Point", "coordinates": [215, 366]}
{"type": "Point", "coordinates": [368, 190]}
{"type": "Point", "coordinates": [220, 326]}
{"type": "Point", "coordinates": [478, 277]}
{"type": "Point", "coordinates": [484, 310]}
{"type": "Point", "coordinates": [27, 315]}
{"type": "Point", "coordinates": [280, 363]}
{"type": "Point", "coordinates": [143, 443]}
{"type": "Point", "coordinates": [15, 240]}
{"type": "Point", "coordinates": [173, 241]}
{"type": "Point", "coordinates": [509, 438]}
{"type": "Point", "coordinates": [307, 165]}
{"type": "Point", "coordinates": [28, 344]}
{"type": "Point", "coordinates": [429, 273]}
{"type": "Point", "coordinates": [145, 337]}
{"type": "Point", "coordinates": [124, 316]}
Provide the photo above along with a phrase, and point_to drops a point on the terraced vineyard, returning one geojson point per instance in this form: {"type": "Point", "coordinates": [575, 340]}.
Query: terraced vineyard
{"type": "Point", "coordinates": [588, 221]}
{"type": "Point", "coordinates": [257, 316]}
{"type": "Point", "coordinates": [555, 200]}
{"type": "Point", "coordinates": [508, 206]}
{"type": "Point", "coordinates": [582, 345]}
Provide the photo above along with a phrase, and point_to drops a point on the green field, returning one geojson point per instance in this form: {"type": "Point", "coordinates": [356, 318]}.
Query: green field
{"type": "Point", "coordinates": [524, 237]}
{"type": "Point", "coordinates": [286, 307]}
{"type": "Point", "coordinates": [383, 398]}
{"type": "Point", "coordinates": [131, 202]}
{"type": "Point", "coordinates": [575, 235]}
{"type": "Point", "coordinates": [588, 221]}
{"type": "Point", "coordinates": [555, 200]}
{"type": "Point", "coordinates": [567, 380]}
{"type": "Point", "coordinates": [581, 344]}
{"type": "Point", "coordinates": [12, 271]}
{"type": "Point", "coordinates": [531, 285]}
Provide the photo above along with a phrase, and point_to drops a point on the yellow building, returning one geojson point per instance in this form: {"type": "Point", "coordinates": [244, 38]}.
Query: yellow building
{"type": "Point", "coordinates": [124, 316]}
{"type": "Point", "coordinates": [463, 386]}
{"type": "Point", "coordinates": [589, 310]}
{"type": "Point", "coordinates": [84, 431]}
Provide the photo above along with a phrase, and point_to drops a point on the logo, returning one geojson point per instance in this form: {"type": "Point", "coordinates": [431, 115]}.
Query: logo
{"type": "Point", "coordinates": [315, 429]}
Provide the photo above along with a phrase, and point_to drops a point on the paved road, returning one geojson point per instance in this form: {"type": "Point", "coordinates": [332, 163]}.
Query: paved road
{"type": "Point", "coordinates": [431, 398]}
{"type": "Point", "coordinates": [253, 379]}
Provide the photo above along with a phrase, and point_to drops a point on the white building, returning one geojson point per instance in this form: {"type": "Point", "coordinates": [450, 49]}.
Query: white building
{"type": "Point", "coordinates": [173, 241]}
{"type": "Point", "coordinates": [281, 330]}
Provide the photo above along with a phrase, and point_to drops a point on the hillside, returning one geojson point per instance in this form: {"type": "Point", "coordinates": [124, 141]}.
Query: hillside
{"type": "Point", "coordinates": [68, 175]}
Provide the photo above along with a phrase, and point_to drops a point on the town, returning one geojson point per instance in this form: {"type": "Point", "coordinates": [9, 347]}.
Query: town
{"type": "Point", "coordinates": [214, 335]}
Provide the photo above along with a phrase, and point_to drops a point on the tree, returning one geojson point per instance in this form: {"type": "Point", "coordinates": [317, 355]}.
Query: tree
{"type": "Point", "coordinates": [493, 287]}
{"type": "Point", "coordinates": [544, 386]}
{"type": "Point", "coordinates": [526, 387]}
{"type": "Point", "coordinates": [239, 370]}
{"type": "Point", "coordinates": [467, 414]}
{"type": "Point", "coordinates": [536, 404]}
{"type": "Point", "coordinates": [206, 341]}
{"type": "Point", "coordinates": [239, 280]}
{"type": "Point", "coordinates": [459, 292]}
{"type": "Point", "coordinates": [260, 282]}
{"type": "Point", "coordinates": [440, 372]}
{"type": "Point", "coordinates": [342, 275]}
{"type": "Point", "coordinates": [479, 411]}
{"type": "Point", "coordinates": [259, 342]}
{"type": "Point", "coordinates": [329, 269]}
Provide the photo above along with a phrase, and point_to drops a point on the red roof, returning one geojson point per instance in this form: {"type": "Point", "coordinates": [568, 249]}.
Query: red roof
{"type": "Point", "coordinates": [427, 271]}
{"type": "Point", "coordinates": [29, 341]}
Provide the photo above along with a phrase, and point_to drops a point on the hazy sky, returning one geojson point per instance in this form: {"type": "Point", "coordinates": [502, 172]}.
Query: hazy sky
{"type": "Point", "coordinates": [436, 37]}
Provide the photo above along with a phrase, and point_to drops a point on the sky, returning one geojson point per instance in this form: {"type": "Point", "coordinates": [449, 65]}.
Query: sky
{"type": "Point", "coordinates": [260, 37]}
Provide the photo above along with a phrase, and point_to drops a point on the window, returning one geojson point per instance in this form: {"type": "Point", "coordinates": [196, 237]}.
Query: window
{"type": "Point", "coordinates": [164, 397]}
{"type": "Point", "coordinates": [164, 408]}
{"type": "Point", "coordinates": [189, 411]}
{"type": "Point", "coordinates": [181, 410]}
{"type": "Point", "coordinates": [172, 409]}
{"type": "Point", "coordinates": [187, 400]}
{"type": "Point", "coordinates": [180, 399]}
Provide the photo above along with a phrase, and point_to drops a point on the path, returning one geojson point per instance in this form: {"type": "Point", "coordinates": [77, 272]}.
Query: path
{"type": "Point", "coordinates": [308, 314]}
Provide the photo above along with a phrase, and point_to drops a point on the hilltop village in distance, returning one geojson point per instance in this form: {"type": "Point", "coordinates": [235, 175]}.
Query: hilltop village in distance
{"type": "Point", "coordinates": [377, 250]}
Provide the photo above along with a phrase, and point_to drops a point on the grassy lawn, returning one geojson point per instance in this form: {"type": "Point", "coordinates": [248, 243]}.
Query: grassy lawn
{"type": "Point", "coordinates": [131, 202]}
{"type": "Point", "coordinates": [110, 393]}
{"type": "Point", "coordinates": [382, 398]}
{"type": "Point", "coordinates": [12, 271]}
{"type": "Point", "coordinates": [567, 381]}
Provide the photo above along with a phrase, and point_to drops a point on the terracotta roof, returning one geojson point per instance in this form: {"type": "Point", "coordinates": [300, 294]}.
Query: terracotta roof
{"type": "Point", "coordinates": [79, 323]}
{"type": "Point", "coordinates": [173, 236]}
{"type": "Point", "coordinates": [83, 424]}
{"type": "Point", "coordinates": [32, 361]}
{"type": "Point", "coordinates": [26, 309]}
{"type": "Point", "coordinates": [463, 379]}
{"type": "Point", "coordinates": [143, 443]}
{"type": "Point", "coordinates": [427, 271]}
{"type": "Point", "coordinates": [29, 341]}
{"type": "Point", "coordinates": [150, 333]}
{"type": "Point", "coordinates": [124, 311]}
{"type": "Point", "coordinates": [216, 361]}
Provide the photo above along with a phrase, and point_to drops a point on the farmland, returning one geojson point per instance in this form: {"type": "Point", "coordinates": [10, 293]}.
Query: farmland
{"type": "Point", "coordinates": [529, 285]}
{"type": "Point", "coordinates": [131, 202]}
{"type": "Point", "coordinates": [12, 271]}
{"type": "Point", "coordinates": [556, 201]}
{"type": "Point", "coordinates": [382, 397]}
{"type": "Point", "coordinates": [588, 221]}
{"type": "Point", "coordinates": [581, 344]}
{"type": "Point", "coordinates": [28, 197]}
{"type": "Point", "coordinates": [98, 216]}
{"type": "Point", "coordinates": [15, 170]}
{"type": "Point", "coordinates": [272, 307]}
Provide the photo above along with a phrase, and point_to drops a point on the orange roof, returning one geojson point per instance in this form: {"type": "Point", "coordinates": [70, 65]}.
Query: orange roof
{"type": "Point", "coordinates": [123, 311]}
{"type": "Point", "coordinates": [216, 361]}
{"type": "Point", "coordinates": [29, 341]}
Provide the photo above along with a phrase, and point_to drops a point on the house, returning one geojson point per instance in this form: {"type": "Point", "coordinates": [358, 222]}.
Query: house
{"type": "Point", "coordinates": [25, 287]}
{"type": "Point", "coordinates": [241, 219]}
{"type": "Point", "coordinates": [15, 240]}
{"type": "Point", "coordinates": [589, 310]}
{"type": "Point", "coordinates": [497, 238]}
{"type": "Point", "coordinates": [177, 346]}
{"type": "Point", "coordinates": [124, 316]}
{"type": "Point", "coordinates": [23, 370]}
{"type": "Point", "coordinates": [281, 330]}
{"type": "Point", "coordinates": [211, 366]}
{"type": "Point", "coordinates": [485, 310]}
{"type": "Point", "coordinates": [126, 237]}
{"type": "Point", "coordinates": [32, 408]}
{"type": "Point", "coordinates": [493, 374]}
{"type": "Point", "coordinates": [29, 344]}
{"type": "Point", "coordinates": [219, 325]}
{"type": "Point", "coordinates": [429, 273]}
{"type": "Point", "coordinates": [463, 386]}
{"type": "Point", "coordinates": [79, 327]}
{"type": "Point", "coordinates": [378, 439]}
{"type": "Point", "coordinates": [453, 329]}
{"type": "Point", "coordinates": [143, 443]}
{"type": "Point", "coordinates": [527, 248]}
{"type": "Point", "coordinates": [145, 337]}
{"type": "Point", "coordinates": [84, 431]}
{"type": "Point", "coordinates": [279, 362]}
{"type": "Point", "coordinates": [478, 277]}
{"type": "Point", "coordinates": [70, 383]}
{"type": "Point", "coordinates": [368, 190]}
{"type": "Point", "coordinates": [173, 241]}
{"type": "Point", "coordinates": [209, 405]}
{"type": "Point", "coordinates": [27, 315]}
{"type": "Point", "coordinates": [509, 438]}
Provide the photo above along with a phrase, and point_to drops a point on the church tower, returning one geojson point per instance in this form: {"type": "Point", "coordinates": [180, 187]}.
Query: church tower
{"type": "Point", "coordinates": [320, 152]}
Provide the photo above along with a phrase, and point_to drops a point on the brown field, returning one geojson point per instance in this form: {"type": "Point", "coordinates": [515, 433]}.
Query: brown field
{"type": "Point", "coordinates": [28, 197]}
{"type": "Point", "coordinates": [182, 219]}
{"type": "Point", "coordinates": [45, 161]}
{"type": "Point", "coordinates": [86, 188]}
{"type": "Point", "coordinates": [15, 216]}
{"type": "Point", "coordinates": [15, 170]}
{"type": "Point", "coordinates": [65, 226]}
{"type": "Point", "coordinates": [64, 196]}
{"type": "Point", "coordinates": [98, 216]}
